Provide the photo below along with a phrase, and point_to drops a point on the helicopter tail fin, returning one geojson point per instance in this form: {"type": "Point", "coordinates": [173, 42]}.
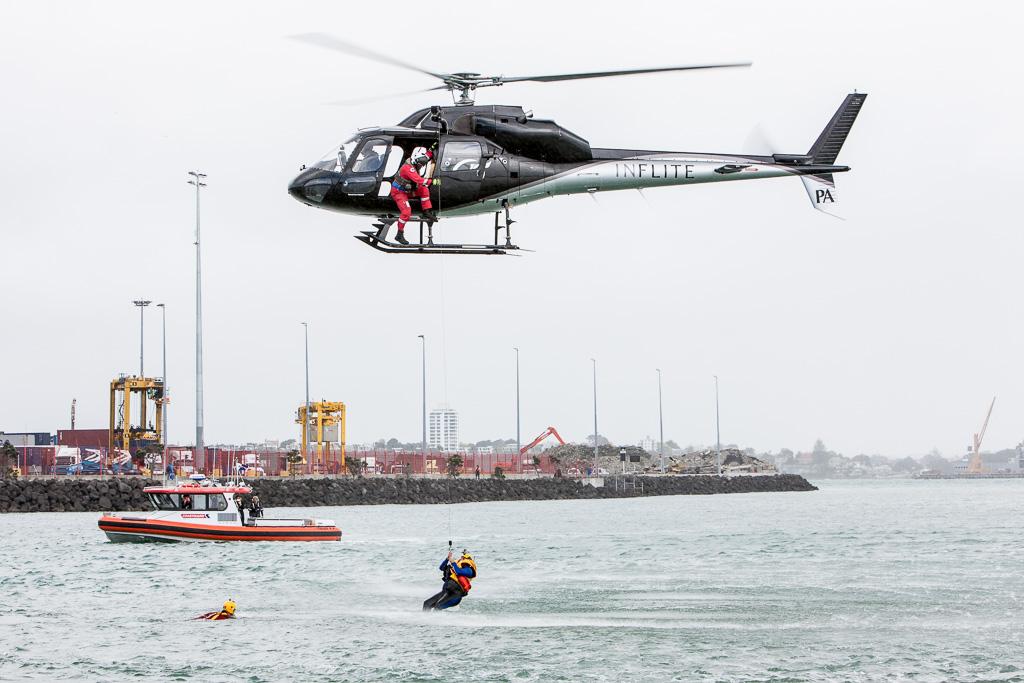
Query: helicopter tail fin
{"type": "Point", "coordinates": [821, 190]}
{"type": "Point", "coordinates": [821, 187]}
{"type": "Point", "coordinates": [826, 148]}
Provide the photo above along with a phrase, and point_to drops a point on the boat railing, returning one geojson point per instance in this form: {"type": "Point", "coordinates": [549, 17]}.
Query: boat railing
{"type": "Point", "coordinates": [295, 521]}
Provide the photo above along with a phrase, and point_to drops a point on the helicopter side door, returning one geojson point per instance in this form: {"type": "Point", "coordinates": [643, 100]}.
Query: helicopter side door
{"type": "Point", "coordinates": [367, 166]}
{"type": "Point", "coordinates": [459, 169]}
{"type": "Point", "coordinates": [500, 175]}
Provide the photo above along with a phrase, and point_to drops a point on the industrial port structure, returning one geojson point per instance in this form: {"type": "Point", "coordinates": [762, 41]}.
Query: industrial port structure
{"type": "Point", "coordinates": [125, 436]}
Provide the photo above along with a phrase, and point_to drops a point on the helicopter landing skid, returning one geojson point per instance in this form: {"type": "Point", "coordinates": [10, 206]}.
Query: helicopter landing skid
{"type": "Point", "coordinates": [378, 239]}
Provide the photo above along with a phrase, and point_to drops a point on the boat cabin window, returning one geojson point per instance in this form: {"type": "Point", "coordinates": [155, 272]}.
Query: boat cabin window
{"type": "Point", "coordinates": [165, 501]}
{"type": "Point", "coordinates": [212, 501]}
{"type": "Point", "coordinates": [189, 501]}
{"type": "Point", "coordinates": [460, 156]}
{"type": "Point", "coordinates": [371, 156]}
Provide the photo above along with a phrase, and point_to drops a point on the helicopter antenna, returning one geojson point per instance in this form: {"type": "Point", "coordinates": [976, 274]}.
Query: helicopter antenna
{"type": "Point", "coordinates": [463, 84]}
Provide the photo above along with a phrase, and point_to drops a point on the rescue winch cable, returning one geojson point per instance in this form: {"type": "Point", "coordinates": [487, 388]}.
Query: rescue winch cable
{"type": "Point", "coordinates": [449, 506]}
{"type": "Point", "coordinates": [444, 337]}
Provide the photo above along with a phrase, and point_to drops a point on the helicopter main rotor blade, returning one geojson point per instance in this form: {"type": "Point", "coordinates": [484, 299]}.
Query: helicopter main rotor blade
{"type": "Point", "coordinates": [623, 72]}
{"type": "Point", "coordinates": [378, 98]}
{"type": "Point", "coordinates": [330, 42]}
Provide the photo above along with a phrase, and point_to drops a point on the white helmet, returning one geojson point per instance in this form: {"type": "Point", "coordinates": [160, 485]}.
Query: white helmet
{"type": "Point", "coordinates": [420, 155]}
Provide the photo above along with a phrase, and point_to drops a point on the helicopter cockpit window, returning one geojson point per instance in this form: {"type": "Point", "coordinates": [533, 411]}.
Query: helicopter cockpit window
{"type": "Point", "coordinates": [371, 156]}
{"type": "Point", "coordinates": [461, 156]}
{"type": "Point", "coordinates": [337, 157]}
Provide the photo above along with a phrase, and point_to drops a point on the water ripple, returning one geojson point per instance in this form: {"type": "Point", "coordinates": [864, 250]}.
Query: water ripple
{"type": "Point", "coordinates": [861, 581]}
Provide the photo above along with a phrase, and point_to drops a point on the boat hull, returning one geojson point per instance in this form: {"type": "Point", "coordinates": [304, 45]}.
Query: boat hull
{"type": "Point", "coordinates": [122, 529]}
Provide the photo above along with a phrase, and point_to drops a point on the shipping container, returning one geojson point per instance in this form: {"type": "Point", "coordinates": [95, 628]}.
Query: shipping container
{"type": "Point", "coordinates": [83, 438]}
{"type": "Point", "coordinates": [27, 438]}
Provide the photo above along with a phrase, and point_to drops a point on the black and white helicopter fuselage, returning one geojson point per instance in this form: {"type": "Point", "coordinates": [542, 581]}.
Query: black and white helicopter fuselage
{"type": "Point", "coordinates": [492, 158]}
{"type": "Point", "coordinates": [489, 159]}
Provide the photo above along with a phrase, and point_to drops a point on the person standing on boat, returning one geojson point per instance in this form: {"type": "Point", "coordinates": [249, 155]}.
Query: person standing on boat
{"type": "Point", "coordinates": [240, 504]}
{"type": "Point", "coordinates": [255, 507]}
{"type": "Point", "coordinates": [457, 582]}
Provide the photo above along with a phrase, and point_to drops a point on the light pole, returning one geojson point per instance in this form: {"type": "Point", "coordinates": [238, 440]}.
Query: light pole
{"type": "Point", "coordinates": [163, 427]}
{"type": "Point", "coordinates": [197, 181]}
{"type": "Point", "coordinates": [519, 445]}
{"type": "Point", "coordinates": [423, 345]}
{"type": "Point", "coordinates": [141, 303]}
{"type": "Point", "coordinates": [661, 426]}
{"type": "Point", "coordinates": [718, 433]}
{"type": "Point", "coordinates": [597, 467]}
{"type": "Point", "coordinates": [305, 422]}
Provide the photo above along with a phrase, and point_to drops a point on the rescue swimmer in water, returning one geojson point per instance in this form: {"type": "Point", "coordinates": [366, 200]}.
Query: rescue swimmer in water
{"type": "Point", "coordinates": [458, 578]}
{"type": "Point", "coordinates": [228, 612]}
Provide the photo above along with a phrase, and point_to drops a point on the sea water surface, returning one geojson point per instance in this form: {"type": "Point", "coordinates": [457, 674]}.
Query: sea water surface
{"type": "Point", "coordinates": [860, 581]}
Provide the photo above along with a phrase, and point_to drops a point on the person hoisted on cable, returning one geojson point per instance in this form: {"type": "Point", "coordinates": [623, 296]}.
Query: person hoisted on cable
{"type": "Point", "coordinates": [410, 180]}
{"type": "Point", "coordinates": [458, 578]}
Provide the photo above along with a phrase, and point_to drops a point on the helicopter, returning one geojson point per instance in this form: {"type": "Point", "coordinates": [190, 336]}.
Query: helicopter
{"type": "Point", "coordinates": [492, 158]}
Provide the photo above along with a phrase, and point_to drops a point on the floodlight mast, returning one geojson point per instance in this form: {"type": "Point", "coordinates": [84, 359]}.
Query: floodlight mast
{"type": "Point", "coordinates": [197, 181]}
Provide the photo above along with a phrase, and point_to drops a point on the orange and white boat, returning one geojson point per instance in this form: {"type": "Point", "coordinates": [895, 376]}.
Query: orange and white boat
{"type": "Point", "coordinates": [206, 511]}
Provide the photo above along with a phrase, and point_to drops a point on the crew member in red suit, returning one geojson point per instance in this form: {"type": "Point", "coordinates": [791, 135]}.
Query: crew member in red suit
{"type": "Point", "coordinates": [409, 180]}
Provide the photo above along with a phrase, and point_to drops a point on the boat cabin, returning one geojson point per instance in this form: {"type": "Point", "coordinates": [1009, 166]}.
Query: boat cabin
{"type": "Point", "coordinates": [205, 510]}
{"type": "Point", "coordinates": [217, 499]}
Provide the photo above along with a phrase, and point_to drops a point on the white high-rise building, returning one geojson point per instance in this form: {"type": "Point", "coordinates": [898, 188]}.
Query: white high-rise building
{"type": "Point", "coordinates": [443, 429]}
{"type": "Point", "coordinates": [650, 445]}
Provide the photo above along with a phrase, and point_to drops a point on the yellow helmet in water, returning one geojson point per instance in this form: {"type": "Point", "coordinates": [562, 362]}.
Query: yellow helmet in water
{"type": "Point", "coordinates": [229, 606]}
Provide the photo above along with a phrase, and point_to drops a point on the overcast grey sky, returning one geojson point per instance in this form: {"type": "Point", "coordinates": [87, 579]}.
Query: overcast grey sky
{"type": "Point", "coordinates": [887, 333]}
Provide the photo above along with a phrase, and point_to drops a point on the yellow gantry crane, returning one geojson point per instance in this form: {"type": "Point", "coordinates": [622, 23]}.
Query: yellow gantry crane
{"type": "Point", "coordinates": [122, 433]}
{"type": "Point", "coordinates": [326, 422]}
{"type": "Point", "coordinates": [974, 466]}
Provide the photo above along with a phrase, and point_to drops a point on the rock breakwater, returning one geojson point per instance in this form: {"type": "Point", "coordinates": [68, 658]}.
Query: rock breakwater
{"type": "Point", "coordinates": [98, 495]}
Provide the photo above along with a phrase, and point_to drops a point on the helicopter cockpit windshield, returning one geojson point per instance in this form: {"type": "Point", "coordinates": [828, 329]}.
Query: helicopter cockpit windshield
{"type": "Point", "coordinates": [337, 156]}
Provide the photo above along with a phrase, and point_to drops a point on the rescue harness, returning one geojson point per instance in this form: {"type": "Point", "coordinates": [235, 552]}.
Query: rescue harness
{"type": "Point", "coordinates": [464, 581]}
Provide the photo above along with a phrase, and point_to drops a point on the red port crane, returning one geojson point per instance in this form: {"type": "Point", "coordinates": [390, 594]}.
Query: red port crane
{"type": "Point", "coordinates": [550, 431]}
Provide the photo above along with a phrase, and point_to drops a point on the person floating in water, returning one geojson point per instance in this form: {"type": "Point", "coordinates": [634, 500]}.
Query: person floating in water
{"type": "Point", "coordinates": [457, 582]}
{"type": "Point", "coordinates": [227, 613]}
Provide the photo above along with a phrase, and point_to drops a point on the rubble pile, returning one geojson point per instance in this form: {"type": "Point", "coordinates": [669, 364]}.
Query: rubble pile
{"type": "Point", "coordinates": [576, 458]}
{"type": "Point", "coordinates": [579, 458]}
{"type": "Point", "coordinates": [734, 461]}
